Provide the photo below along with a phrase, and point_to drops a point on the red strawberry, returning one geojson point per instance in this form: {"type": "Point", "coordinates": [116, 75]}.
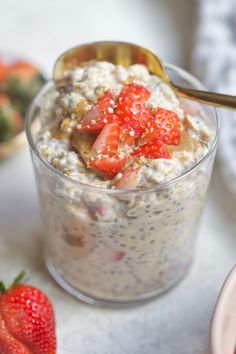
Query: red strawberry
{"type": "Point", "coordinates": [131, 108]}
{"type": "Point", "coordinates": [126, 136]}
{"type": "Point", "coordinates": [134, 92]}
{"type": "Point", "coordinates": [165, 127]}
{"type": "Point", "coordinates": [108, 167]}
{"type": "Point", "coordinates": [155, 149]}
{"type": "Point", "coordinates": [23, 70]}
{"type": "Point", "coordinates": [3, 71]}
{"type": "Point", "coordinates": [4, 100]}
{"type": "Point", "coordinates": [141, 111]}
{"type": "Point", "coordinates": [99, 115]}
{"type": "Point", "coordinates": [8, 344]}
{"type": "Point", "coordinates": [134, 116]}
{"type": "Point", "coordinates": [108, 140]}
{"type": "Point", "coordinates": [130, 178]}
{"type": "Point", "coordinates": [27, 323]}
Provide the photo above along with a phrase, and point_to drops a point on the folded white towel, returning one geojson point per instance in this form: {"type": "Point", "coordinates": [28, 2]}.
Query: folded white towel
{"type": "Point", "coordinates": [214, 62]}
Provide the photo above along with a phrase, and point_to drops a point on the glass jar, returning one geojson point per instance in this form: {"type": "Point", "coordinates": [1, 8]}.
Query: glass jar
{"type": "Point", "coordinates": [110, 246]}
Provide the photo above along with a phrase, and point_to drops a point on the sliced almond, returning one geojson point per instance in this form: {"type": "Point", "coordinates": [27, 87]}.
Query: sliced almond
{"type": "Point", "coordinates": [83, 142]}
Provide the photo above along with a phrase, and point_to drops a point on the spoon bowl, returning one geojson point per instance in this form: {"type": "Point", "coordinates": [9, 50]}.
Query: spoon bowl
{"type": "Point", "coordinates": [126, 54]}
{"type": "Point", "coordinates": [118, 53]}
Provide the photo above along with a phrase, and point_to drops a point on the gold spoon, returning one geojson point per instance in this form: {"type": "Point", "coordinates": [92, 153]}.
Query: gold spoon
{"type": "Point", "coordinates": [127, 54]}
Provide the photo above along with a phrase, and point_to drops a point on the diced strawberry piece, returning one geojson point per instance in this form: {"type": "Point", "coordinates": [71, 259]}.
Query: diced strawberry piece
{"type": "Point", "coordinates": [99, 115]}
{"type": "Point", "coordinates": [131, 108]}
{"type": "Point", "coordinates": [118, 256]}
{"type": "Point", "coordinates": [130, 178]}
{"type": "Point", "coordinates": [133, 125]}
{"type": "Point", "coordinates": [126, 136]}
{"type": "Point", "coordinates": [134, 92]}
{"type": "Point", "coordinates": [108, 140]}
{"type": "Point", "coordinates": [108, 167]}
{"type": "Point", "coordinates": [110, 118]}
{"type": "Point", "coordinates": [151, 131]}
{"type": "Point", "coordinates": [3, 71]}
{"type": "Point", "coordinates": [166, 127]}
{"type": "Point", "coordinates": [155, 149]}
{"type": "Point", "coordinates": [142, 112]}
{"type": "Point", "coordinates": [123, 109]}
{"type": "Point", "coordinates": [90, 121]}
{"type": "Point", "coordinates": [105, 102]}
{"type": "Point", "coordinates": [23, 70]}
{"type": "Point", "coordinates": [134, 116]}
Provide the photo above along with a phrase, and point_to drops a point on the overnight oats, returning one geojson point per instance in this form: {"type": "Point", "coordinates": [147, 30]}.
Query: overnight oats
{"type": "Point", "coordinates": [122, 168]}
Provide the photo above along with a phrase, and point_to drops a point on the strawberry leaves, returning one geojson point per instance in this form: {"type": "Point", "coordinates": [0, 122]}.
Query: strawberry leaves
{"type": "Point", "coordinates": [2, 287]}
{"type": "Point", "coordinates": [18, 279]}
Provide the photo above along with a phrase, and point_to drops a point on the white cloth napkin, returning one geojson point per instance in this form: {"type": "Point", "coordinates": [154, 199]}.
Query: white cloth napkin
{"type": "Point", "coordinates": [214, 63]}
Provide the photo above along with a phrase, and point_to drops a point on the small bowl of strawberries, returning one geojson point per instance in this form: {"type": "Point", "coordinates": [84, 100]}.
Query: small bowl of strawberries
{"type": "Point", "coordinates": [20, 80]}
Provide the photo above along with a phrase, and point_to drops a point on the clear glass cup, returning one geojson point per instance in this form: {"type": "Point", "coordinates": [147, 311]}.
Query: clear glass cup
{"type": "Point", "coordinates": [114, 246]}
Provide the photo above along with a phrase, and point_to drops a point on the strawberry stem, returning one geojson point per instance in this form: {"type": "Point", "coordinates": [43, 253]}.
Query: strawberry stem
{"type": "Point", "coordinates": [16, 281]}
{"type": "Point", "coordinates": [19, 278]}
{"type": "Point", "coordinates": [2, 287]}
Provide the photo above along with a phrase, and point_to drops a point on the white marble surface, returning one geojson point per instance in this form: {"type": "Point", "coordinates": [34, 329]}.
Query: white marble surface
{"type": "Point", "coordinates": [178, 321]}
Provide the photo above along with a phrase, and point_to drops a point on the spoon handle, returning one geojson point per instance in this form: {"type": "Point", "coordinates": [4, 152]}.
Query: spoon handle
{"type": "Point", "coordinates": [211, 98]}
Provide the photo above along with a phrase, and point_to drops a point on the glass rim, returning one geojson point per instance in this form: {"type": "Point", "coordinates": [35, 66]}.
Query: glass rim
{"type": "Point", "coordinates": [118, 191]}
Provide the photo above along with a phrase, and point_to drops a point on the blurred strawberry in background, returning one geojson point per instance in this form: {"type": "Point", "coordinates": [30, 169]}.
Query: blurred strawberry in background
{"type": "Point", "coordinates": [19, 82]}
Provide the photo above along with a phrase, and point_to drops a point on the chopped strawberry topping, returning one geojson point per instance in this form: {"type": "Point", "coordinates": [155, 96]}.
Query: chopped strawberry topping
{"type": "Point", "coordinates": [128, 120]}
{"type": "Point", "coordinates": [99, 115]}
{"type": "Point", "coordinates": [133, 116]}
{"type": "Point", "coordinates": [131, 108]}
{"type": "Point", "coordinates": [108, 167]}
{"type": "Point", "coordinates": [107, 141]}
{"type": "Point", "coordinates": [165, 127]}
{"type": "Point", "coordinates": [126, 136]}
{"type": "Point", "coordinates": [134, 92]}
{"type": "Point", "coordinates": [155, 149]}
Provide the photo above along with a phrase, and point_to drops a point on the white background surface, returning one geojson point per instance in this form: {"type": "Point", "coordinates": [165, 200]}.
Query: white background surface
{"type": "Point", "coordinates": [177, 322]}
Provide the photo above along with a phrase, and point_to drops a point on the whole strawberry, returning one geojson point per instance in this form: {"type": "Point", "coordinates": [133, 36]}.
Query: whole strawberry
{"type": "Point", "coordinates": [27, 322]}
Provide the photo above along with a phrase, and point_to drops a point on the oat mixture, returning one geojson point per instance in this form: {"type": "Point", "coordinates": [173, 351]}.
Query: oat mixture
{"type": "Point", "coordinates": [118, 128]}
